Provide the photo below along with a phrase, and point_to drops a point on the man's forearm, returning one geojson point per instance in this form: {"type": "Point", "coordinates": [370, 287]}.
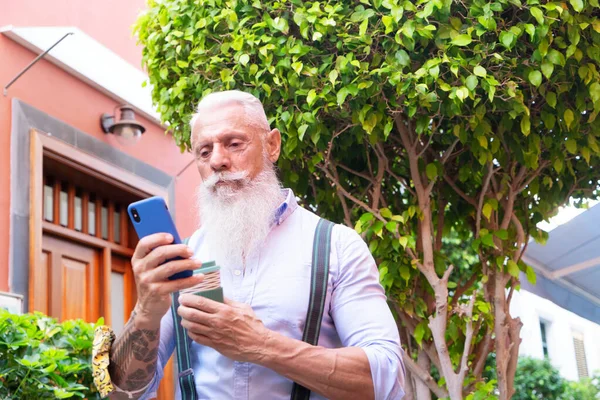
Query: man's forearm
{"type": "Point", "coordinates": [334, 373]}
{"type": "Point", "coordinates": [134, 353]}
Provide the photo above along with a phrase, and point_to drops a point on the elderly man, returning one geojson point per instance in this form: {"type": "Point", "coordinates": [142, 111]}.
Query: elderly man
{"type": "Point", "coordinates": [250, 346]}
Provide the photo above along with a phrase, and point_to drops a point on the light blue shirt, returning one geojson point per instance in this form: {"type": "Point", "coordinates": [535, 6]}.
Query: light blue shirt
{"type": "Point", "coordinates": [275, 283]}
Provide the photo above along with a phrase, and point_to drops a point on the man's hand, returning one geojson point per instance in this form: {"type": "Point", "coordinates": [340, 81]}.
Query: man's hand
{"type": "Point", "coordinates": [152, 271]}
{"type": "Point", "coordinates": [231, 328]}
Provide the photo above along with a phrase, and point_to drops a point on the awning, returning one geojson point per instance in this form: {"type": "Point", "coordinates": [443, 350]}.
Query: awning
{"type": "Point", "coordinates": [90, 61]}
{"type": "Point", "coordinates": [568, 266]}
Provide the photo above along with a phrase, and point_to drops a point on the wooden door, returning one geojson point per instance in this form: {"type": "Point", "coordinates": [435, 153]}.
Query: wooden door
{"type": "Point", "coordinates": [82, 243]}
{"type": "Point", "coordinates": [71, 273]}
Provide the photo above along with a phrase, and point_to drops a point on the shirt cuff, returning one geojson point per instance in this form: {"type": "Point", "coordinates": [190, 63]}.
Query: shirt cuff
{"type": "Point", "coordinates": [387, 372]}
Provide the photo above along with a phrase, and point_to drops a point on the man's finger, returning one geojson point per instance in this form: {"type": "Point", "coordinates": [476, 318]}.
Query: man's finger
{"type": "Point", "coordinates": [162, 254]}
{"type": "Point", "coordinates": [201, 303]}
{"type": "Point", "coordinates": [150, 242]}
{"type": "Point", "coordinates": [194, 316]}
{"type": "Point", "coordinates": [200, 339]}
{"type": "Point", "coordinates": [233, 303]}
{"type": "Point", "coordinates": [163, 272]}
{"type": "Point", "coordinates": [180, 284]}
{"type": "Point", "coordinates": [198, 329]}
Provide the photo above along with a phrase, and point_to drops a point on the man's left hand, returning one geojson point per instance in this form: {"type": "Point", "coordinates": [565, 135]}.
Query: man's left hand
{"type": "Point", "coordinates": [232, 328]}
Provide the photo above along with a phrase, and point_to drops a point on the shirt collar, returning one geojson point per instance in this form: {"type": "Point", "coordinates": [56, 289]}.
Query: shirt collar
{"type": "Point", "coordinates": [287, 207]}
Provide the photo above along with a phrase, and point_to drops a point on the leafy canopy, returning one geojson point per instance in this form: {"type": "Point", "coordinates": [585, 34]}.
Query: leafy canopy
{"type": "Point", "coordinates": [428, 126]}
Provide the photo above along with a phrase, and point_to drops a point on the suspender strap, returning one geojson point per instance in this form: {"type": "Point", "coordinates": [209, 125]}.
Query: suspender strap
{"type": "Point", "coordinates": [318, 292]}
{"type": "Point", "coordinates": [182, 345]}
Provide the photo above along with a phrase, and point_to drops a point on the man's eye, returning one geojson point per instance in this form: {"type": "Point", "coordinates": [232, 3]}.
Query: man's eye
{"type": "Point", "coordinates": [204, 153]}
{"type": "Point", "coordinates": [234, 144]}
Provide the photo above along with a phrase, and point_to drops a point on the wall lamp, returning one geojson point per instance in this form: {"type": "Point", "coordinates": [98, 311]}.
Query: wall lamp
{"type": "Point", "coordinates": [127, 130]}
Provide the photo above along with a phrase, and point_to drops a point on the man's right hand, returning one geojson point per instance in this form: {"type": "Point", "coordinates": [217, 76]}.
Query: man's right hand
{"type": "Point", "coordinates": [151, 272]}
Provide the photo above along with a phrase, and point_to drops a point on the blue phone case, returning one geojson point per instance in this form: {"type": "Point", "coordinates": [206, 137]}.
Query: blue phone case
{"type": "Point", "coordinates": [154, 217]}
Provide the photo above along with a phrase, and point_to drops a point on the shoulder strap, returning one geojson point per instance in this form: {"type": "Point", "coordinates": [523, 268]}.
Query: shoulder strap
{"type": "Point", "coordinates": [182, 345]}
{"type": "Point", "coordinates": [318, 292]}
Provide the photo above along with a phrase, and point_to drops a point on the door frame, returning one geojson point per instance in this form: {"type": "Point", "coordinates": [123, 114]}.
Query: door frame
{"type": "Point", "coordinates": [44, 145]}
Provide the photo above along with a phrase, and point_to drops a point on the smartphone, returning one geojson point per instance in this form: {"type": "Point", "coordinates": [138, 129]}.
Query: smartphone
{"type": "Point", "coordinates": [150, 216]}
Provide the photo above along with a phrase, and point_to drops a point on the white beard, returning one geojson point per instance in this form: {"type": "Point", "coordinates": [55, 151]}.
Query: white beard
{"type": "Point", "coordinates": [237, 216]}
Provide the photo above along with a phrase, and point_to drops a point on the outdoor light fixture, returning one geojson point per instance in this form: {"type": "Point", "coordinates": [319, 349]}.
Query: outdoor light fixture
{"type": "Point", "coordinates": [127, 130]}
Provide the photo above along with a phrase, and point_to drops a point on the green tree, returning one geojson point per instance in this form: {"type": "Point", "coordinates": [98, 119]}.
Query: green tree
{"type": "Point", "coordinates": [412, 122]}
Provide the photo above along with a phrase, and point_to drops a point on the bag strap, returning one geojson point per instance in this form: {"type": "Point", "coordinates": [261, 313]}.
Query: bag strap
{"type": "Point", "coordinates": [182, 345]}
{"type": "Point", "coordinates": [318, 292]}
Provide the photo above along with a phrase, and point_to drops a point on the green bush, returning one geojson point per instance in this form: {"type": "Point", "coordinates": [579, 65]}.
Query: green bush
{"type": "Point", "coordinates": [43, 359]}
{"type": "Point", "coordinates": [538, 379]}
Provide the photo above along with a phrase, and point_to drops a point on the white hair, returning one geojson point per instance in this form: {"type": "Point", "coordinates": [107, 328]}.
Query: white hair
{"type": "Point", "coordinates": [254, 113]}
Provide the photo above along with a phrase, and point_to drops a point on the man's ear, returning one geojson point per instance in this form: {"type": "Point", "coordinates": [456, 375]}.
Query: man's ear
{"type": "Point", "coordinates": [273, 145]}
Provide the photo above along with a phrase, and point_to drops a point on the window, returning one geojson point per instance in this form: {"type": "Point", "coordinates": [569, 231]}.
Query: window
{"type": "Point", "coordinates": [582, 369]}
{"type": "Point", "coordinates": [544, 330]}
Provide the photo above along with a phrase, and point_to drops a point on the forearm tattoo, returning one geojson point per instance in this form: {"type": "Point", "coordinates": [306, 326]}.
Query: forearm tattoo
{"type": "Point", "coordinates": [133, 356]}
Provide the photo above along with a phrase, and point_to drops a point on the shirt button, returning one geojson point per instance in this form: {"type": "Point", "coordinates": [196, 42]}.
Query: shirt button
{"type": "Point", "coordinates": [237, 272]}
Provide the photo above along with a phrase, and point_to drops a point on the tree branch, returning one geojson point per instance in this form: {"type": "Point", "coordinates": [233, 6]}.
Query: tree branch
{"type": "Point", "coordinates": [347, 217]}
{"type": "Point", "coordinates": [424, 376]}
{"type": "Point", "coordinates": [448, 152]}
{"type": "Point", "coordinates": [359, 174]}
{"type": "Point", "coordinates": [468, 338]}
{"type": "Point", "coordinates": [382, 162]}
{"type": "Point", "coordinates": [482, 352]}
{"type": "Point", "coordinates": [462, 194]}
{"type": "Point", "coordinates": [349, 196]}
{"type": "Point", "coordinates": [486, 184]}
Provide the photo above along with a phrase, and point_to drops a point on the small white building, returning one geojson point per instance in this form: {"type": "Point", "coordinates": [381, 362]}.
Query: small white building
{"type": "Point", "coordinates": [561, 313]}
{"type": "Point", "coordinates": [571, 343]}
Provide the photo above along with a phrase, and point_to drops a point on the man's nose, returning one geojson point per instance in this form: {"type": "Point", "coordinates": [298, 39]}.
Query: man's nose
{"type": "Point", "coordinates": [219, 160]}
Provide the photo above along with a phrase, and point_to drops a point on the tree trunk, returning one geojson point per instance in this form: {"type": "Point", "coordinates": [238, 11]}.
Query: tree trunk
{"type": "Point", "coordinates": [409, 391]}
{"type": "Point", "coordinates": [423, 392]}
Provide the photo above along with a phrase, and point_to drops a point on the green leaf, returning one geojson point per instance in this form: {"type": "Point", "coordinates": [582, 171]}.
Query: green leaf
{"type": "Point", "coordinates": [531, 276]}
{"type": "Point", "coordinates": [535, 77]}
{"type": "Point", "coordinates": [568, 117]}
{"type": "Point", "coordinates": [244, 59]}
{"type": "Point", "coordinates": [386, 213]}
{"type": "Point", "coordinates": [551, 99]}
{"type": "Point", "coordinates": [501, 234]}
{"type": "Point", "coordinates": [558, 165]}
{"type": "Point", "coordinates": [462, 40]}
{"type": "Point", "coordinates": [301, 131]}
{"type": "Point", "coordinates": [595, 92]}
{"type": "Point", "coordinates": [419, 332]}
{"type": "Point", "coordinates": [525, 125]}
{"type": "Point", "coordinates": [556, 57]}
{"type": "Point", "coordinates": [403, 58]}
{"type": "Point", "coordinates": [488, 240]}
{"type": "Point", "coordinates": [480, 71]}
{"type": "Point", "coordinates": [577, 5]}
{"type": "Point", "coordinates": [333, 75]}
{"type": "Point", "coordinates": [487, 211]}
{"type": "Point", "coordinates": [363, 27]}
{"type": "Point", "coordinates": [405, 272]}
{"type": "Point", "coordinates": [462, 93]}
{"type": "Point", "coordinates": [571, 146]}
{"type": "Point", "coordinates": [472, 82]}
{"type": "Point", "coordinates": [403, 241]}
{"type": "Point", "coordinates": [360, 16]}
{"type": "Point", "coordinates": [547, 69]}
{"type": "Point", "coordinates": [341, 95]}
{"type": "Point", "coordinates": [537, 14]}
{"type": "Point", "coordinates": [513, 268]}
{"type": "Point", "coordinates": [311, 97]}
{"type": "Point", "coordinates": [507, 39]}
{"type": "Point", "coordinates": [431, 171]}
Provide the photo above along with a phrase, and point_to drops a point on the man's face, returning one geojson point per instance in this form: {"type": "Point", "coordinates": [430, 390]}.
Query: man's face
{"type": "Point", "coordinates": [224, 142]}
